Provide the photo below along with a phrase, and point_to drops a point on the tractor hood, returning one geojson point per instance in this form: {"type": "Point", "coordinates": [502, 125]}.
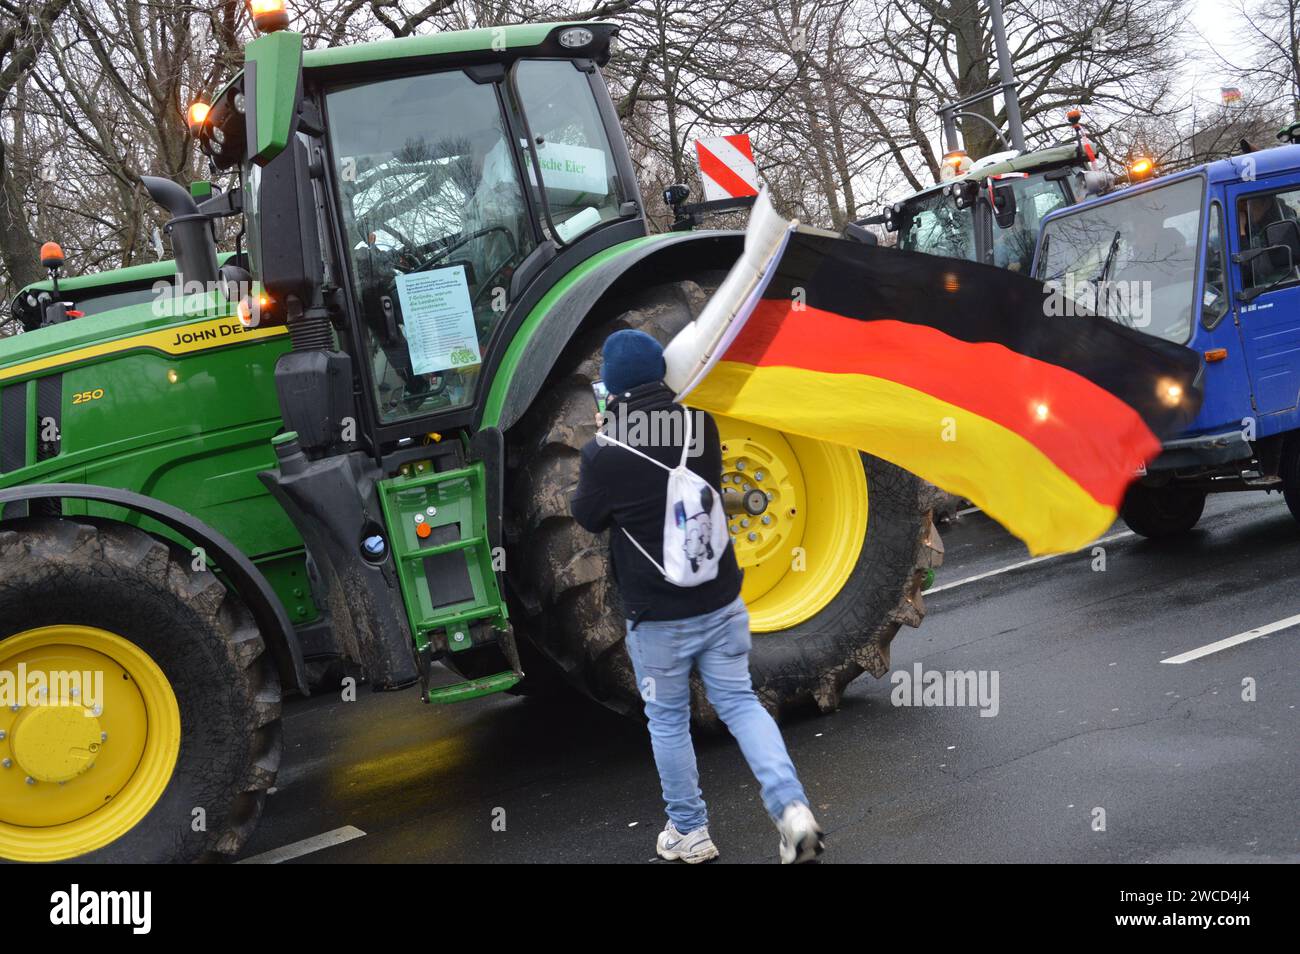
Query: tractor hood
{"type": "Point", "coordinates": [168, 325]}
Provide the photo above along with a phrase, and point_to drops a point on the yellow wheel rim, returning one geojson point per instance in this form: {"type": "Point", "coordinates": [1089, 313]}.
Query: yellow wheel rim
{"type": "Point", "coordinates": [800, 552]}
{"type": "Point", "coordinates": [82, 762]}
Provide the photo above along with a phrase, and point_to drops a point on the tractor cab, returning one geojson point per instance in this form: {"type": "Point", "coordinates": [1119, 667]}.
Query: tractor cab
{"type": "Point", "coordinates": [989, 211]}
{"type": "Point", "coordinates": [1208, 258]}
{"type": "Point", "coordinates": [434, 192]}
{"type": "Point", "coordinates": [447, 186]}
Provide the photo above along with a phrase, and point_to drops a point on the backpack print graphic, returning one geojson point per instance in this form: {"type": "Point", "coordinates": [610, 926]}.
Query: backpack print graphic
{"type": "Point", "coordinates": [697, 530]}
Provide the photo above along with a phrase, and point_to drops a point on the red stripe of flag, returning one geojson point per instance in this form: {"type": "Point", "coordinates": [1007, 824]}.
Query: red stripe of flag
{"type": "Point", "coordinates": [960, 373]}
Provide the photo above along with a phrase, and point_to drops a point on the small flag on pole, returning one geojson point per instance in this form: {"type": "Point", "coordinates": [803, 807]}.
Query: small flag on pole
{"type": "Point", "coordinates": [946, 368]}
{"type": "Point", "coordinates": [1229, 95]}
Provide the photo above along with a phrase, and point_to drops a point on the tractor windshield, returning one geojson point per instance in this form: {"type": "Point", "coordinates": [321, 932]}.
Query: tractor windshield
{"type": "Point", "coordinates": [582, 188]}
{"type": "Point", "coordinates": [1132, 259]}
{"type": "Point", "coordinates": [435, 222]}
{"type": "Point", "coordinates": [1013, 247]}
{"type": "Point", "coordinates": [437, 212]}
{"type": "Point", "coordinates": [933, 224]}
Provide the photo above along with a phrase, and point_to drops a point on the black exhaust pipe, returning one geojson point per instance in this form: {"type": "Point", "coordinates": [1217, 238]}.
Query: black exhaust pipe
{"type": "Point", "coordinates": [193, 245]}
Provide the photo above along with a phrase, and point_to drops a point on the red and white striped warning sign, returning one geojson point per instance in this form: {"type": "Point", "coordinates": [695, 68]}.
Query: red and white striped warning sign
{"type": "Point", "coordinates": [727, 167]}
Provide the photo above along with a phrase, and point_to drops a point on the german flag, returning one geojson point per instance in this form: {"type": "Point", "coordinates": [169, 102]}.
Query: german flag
{"type": "Point", "coordinates": [954, 371]}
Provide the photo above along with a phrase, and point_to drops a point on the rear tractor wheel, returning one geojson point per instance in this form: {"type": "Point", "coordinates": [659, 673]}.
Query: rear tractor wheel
{"type": "Point", "coordinates": [145, 725]}
{"type": "Point", "coordinates": [833, 567]}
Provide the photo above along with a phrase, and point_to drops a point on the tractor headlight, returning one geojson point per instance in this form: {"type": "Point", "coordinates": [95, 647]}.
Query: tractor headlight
{"type": "Point", "coordinates": [575, 38]}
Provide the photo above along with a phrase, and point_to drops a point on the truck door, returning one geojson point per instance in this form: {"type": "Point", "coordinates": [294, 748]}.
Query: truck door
{"type": "Point", "coordinates": [1268, 289]}
{"type": "Point", "coordinates": [1227, 381]}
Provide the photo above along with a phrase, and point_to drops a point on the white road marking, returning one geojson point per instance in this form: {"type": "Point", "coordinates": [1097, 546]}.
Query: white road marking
{"type": "Point", "coordinates": [968, 510]}
{"type": "Point", "coordinates": [1231, 641]}
{"type": "Point", "coordinates": [1016, 566]}
{"type": "Point", "coordinates": [305, 847]}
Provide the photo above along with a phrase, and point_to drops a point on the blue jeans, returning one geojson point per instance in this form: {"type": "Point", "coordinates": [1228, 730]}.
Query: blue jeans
{"type": "Point", "coordinates": [718, 644]}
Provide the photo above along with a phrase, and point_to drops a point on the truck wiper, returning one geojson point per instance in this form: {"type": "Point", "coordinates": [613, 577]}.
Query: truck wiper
{"type": "Point", "coordinates": [1110, 260]}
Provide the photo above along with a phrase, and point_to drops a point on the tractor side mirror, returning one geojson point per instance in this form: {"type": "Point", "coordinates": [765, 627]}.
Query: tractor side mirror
{"type": "Point", "coordinates": [1004, 204]}
{"type": "Point", "coordinates": [288, 240]}
{"type": "Point", "coordinates": [860, 233]}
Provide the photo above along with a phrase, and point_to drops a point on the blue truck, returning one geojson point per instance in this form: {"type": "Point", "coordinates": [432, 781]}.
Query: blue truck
{"type": "Point", "coordinates": [1207, 258]}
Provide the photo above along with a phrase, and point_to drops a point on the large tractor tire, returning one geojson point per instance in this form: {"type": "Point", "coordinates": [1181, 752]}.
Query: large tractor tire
{"type": "Point", "coordinates": [1161, 512]}
{"type": "Point", "coordinates": [828, 579]}
{"type": "Point", "coordinates": [175, 764]}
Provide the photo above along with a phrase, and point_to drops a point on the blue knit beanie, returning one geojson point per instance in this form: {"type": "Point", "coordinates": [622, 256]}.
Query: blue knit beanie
{"type": "Point", "coordinates": [631, 358]}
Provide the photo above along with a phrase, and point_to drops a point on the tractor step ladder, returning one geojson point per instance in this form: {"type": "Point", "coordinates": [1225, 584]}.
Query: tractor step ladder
{"type": "Point", "coordinates": [438, 526]}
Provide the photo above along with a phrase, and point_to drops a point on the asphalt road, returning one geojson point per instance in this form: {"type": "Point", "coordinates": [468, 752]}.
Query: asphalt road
{"type": "Point", "coordinates": [1088, 718]}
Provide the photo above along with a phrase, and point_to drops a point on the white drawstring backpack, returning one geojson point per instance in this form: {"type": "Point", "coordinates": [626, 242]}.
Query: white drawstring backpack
{"type": "Point", "coordinates": [695, 525]}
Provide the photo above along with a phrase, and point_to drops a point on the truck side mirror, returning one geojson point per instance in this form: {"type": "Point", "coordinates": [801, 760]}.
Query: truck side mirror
{"type": "Point", "coordinates": [1250, 255]}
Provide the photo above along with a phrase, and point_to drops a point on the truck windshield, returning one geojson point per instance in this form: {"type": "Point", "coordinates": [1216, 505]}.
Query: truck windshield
{"type": "Point", "coordinates": [1132, 259]}
{"type": "Point", "coordinates": [435, 221]}
{"type": "Point", "coordinates": [934, 225]}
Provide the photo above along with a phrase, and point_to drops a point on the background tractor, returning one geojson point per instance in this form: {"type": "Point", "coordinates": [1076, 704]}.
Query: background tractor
{"type": "Point", "coordinates": [356, 438]}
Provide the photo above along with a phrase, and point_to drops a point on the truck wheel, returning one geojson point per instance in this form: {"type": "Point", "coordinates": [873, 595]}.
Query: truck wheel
{"type": "Point", "coordinates": [1158, 512]}
{"type": "Point", "coordinates": [828, 581]}
{"type": "Point", "coordinates": [173, 761]}
{"type": "Point", "coordinates": [1291, 475]}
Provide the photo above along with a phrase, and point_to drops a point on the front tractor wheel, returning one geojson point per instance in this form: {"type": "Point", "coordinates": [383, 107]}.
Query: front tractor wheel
{"type": "Point", "coordinates": [145, 720]}
{"type": "Point", "coordinates": [833, 566]}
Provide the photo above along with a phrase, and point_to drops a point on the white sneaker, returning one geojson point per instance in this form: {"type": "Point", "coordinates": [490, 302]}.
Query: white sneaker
{"type": "Point", "coordinates": [801, 836]}
{"type": "Point", "coordinates": [692, 848]}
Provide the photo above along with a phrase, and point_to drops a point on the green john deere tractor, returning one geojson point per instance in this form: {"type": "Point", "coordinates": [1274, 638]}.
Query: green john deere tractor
{"type": "Point", "coordinates": [355, 439]}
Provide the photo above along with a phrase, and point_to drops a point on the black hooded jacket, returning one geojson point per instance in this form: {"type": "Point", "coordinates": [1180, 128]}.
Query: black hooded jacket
{"type": "Point", "coordinates": [618, 490]}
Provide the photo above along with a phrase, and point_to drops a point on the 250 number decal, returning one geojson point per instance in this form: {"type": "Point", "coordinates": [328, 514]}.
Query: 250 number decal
{"type": "Point", "coordinates": [85, 397]}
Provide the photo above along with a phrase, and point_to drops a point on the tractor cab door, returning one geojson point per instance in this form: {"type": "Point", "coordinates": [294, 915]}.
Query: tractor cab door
{"type": "Point", "coordinates": [434, 221]}
{"type": "Point", "coordinates": [1265, 221]}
